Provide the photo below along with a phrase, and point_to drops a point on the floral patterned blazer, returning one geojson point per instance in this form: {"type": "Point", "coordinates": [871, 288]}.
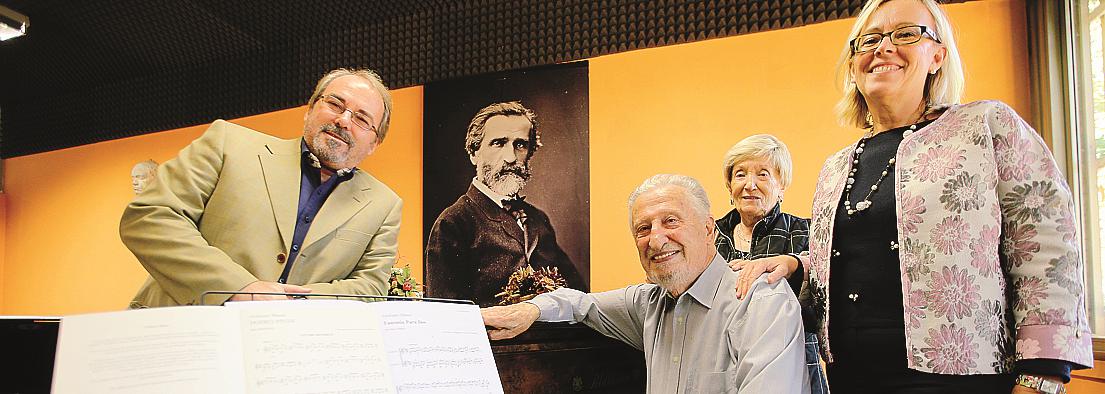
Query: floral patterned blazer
{"type": "Point", "coordinates": [990, 259]}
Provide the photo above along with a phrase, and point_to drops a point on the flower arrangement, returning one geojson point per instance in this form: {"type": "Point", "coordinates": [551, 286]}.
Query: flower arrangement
{"type": "Point", "coordinates": [402, 284]}
{"type": "Point", "coordinates": [527, 282]}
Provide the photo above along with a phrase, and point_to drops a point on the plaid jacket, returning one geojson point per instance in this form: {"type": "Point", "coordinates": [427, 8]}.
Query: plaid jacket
{"type": "Point", "coordinates": [777, 233]}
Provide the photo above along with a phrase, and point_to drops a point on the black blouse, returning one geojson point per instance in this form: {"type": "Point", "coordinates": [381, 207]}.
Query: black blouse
{"type": "Point", "coordinates": [866, 318]}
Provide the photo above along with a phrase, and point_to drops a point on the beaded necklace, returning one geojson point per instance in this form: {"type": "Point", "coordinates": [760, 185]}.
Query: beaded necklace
{"type": "Point", "coordinates": [866, 202]}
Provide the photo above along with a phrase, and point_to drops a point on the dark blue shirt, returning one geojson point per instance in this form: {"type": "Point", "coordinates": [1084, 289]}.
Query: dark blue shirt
{"type": "Point", "coordinates": [313, 192]}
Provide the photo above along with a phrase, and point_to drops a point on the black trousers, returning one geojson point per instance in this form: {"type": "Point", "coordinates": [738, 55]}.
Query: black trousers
{"type": "Point", "coordinates": [843, 379]}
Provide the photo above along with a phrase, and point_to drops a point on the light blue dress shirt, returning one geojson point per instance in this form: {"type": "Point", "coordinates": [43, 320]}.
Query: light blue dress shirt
{"type": "Point", "coordinates": [703, 341]}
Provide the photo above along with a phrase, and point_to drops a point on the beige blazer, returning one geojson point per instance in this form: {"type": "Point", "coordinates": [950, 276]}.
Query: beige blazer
{"type": "Point", "coordinates": [222, 213]}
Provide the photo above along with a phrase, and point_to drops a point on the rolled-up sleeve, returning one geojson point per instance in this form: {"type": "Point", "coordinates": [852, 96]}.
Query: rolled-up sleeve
{"type": "Point", "coordinates": [615, 313]}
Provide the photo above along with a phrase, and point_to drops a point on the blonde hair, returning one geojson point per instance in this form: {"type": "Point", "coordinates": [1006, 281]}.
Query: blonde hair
{"type": "Point", "coordinates": [373, 80]}
{"type": "Point", "coordinates": [757, 146]}
{"type": "Point", "coordinates": [943, 88]}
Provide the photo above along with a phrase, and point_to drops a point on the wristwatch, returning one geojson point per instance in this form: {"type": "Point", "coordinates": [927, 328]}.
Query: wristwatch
{"type": "Point", "coordinates": [1041, 385]}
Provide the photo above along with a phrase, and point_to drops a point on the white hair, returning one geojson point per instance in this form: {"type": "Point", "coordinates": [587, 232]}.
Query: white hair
{"type": "Point", "coordinates": [764, 146]}
{"type": "Point", "coordinates": [699, 200]}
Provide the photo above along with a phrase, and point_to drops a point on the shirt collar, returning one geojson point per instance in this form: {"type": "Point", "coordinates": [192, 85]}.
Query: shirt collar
{"type": "Point", "coordinates": [706, 286]}
{"type": "Point", "coordinates": [312, 161]}
{"type": "Point", "coordinates": [728, 222]}
{"type": "Point", "coordinates": [773, 213]}
{"type": "Point", "coordinates": [495, 197]}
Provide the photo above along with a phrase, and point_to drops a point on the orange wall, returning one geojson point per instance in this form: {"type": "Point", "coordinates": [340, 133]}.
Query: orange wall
{"type": "Point", "coordinates": [679, 108]}
{"type": "Point", "coordinates": [671, 109]}
{"type": "Point", "coordinates": [64, 207]}
{"type": "Point", "coordinates": [3, 239]}
{"type": "Point", "coordinates": [1088, 381]}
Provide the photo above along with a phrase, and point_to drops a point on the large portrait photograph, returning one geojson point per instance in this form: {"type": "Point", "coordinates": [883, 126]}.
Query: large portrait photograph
{"type": "Point", "coordinates": [506, 188]}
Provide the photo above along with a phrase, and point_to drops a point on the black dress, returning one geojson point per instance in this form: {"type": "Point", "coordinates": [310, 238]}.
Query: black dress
{"type": "Point", "coordinates": [866, 321]}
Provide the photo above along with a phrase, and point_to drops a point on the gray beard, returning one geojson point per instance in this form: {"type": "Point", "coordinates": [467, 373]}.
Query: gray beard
{"type": "Point", "coordinates": [507, 183]}
{"type": "Point", "coordinates": [665, 282]}
{"type": "Point", "coordinates": [680, 276]}
{"type": "Point", "coordinates": [327, 150]}
{"type": "Point", "coordinates": [328, 154]}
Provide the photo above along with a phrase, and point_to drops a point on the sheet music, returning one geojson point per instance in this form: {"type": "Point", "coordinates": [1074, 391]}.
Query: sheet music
{"type": "Point", "coordinates": [437, 348]}
{"type": "Point", "coordinates": [318, 346]}
{"type": "Point", "coordinates": [17, 317]}
{"type": "Point", "coordinates": [149, 351]}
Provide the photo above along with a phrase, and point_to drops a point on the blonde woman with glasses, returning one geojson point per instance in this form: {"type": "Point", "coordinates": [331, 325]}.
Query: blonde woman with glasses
{"type": "Point", "coordinates": [944, 255]}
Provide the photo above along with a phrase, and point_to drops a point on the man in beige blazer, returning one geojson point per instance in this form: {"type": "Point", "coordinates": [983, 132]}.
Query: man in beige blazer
{"type": "Point", "coordinates": [242, 210]}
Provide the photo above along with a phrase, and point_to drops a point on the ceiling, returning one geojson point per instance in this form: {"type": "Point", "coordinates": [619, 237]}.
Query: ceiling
{"type": "Point", "coordinates": [88, 70]}
{"type": "Point", "coordinates": [92, 71]}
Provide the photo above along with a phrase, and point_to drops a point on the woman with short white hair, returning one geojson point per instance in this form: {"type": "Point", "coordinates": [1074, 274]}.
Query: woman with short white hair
{"type": "Point", "coordinates": [757, 237]}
